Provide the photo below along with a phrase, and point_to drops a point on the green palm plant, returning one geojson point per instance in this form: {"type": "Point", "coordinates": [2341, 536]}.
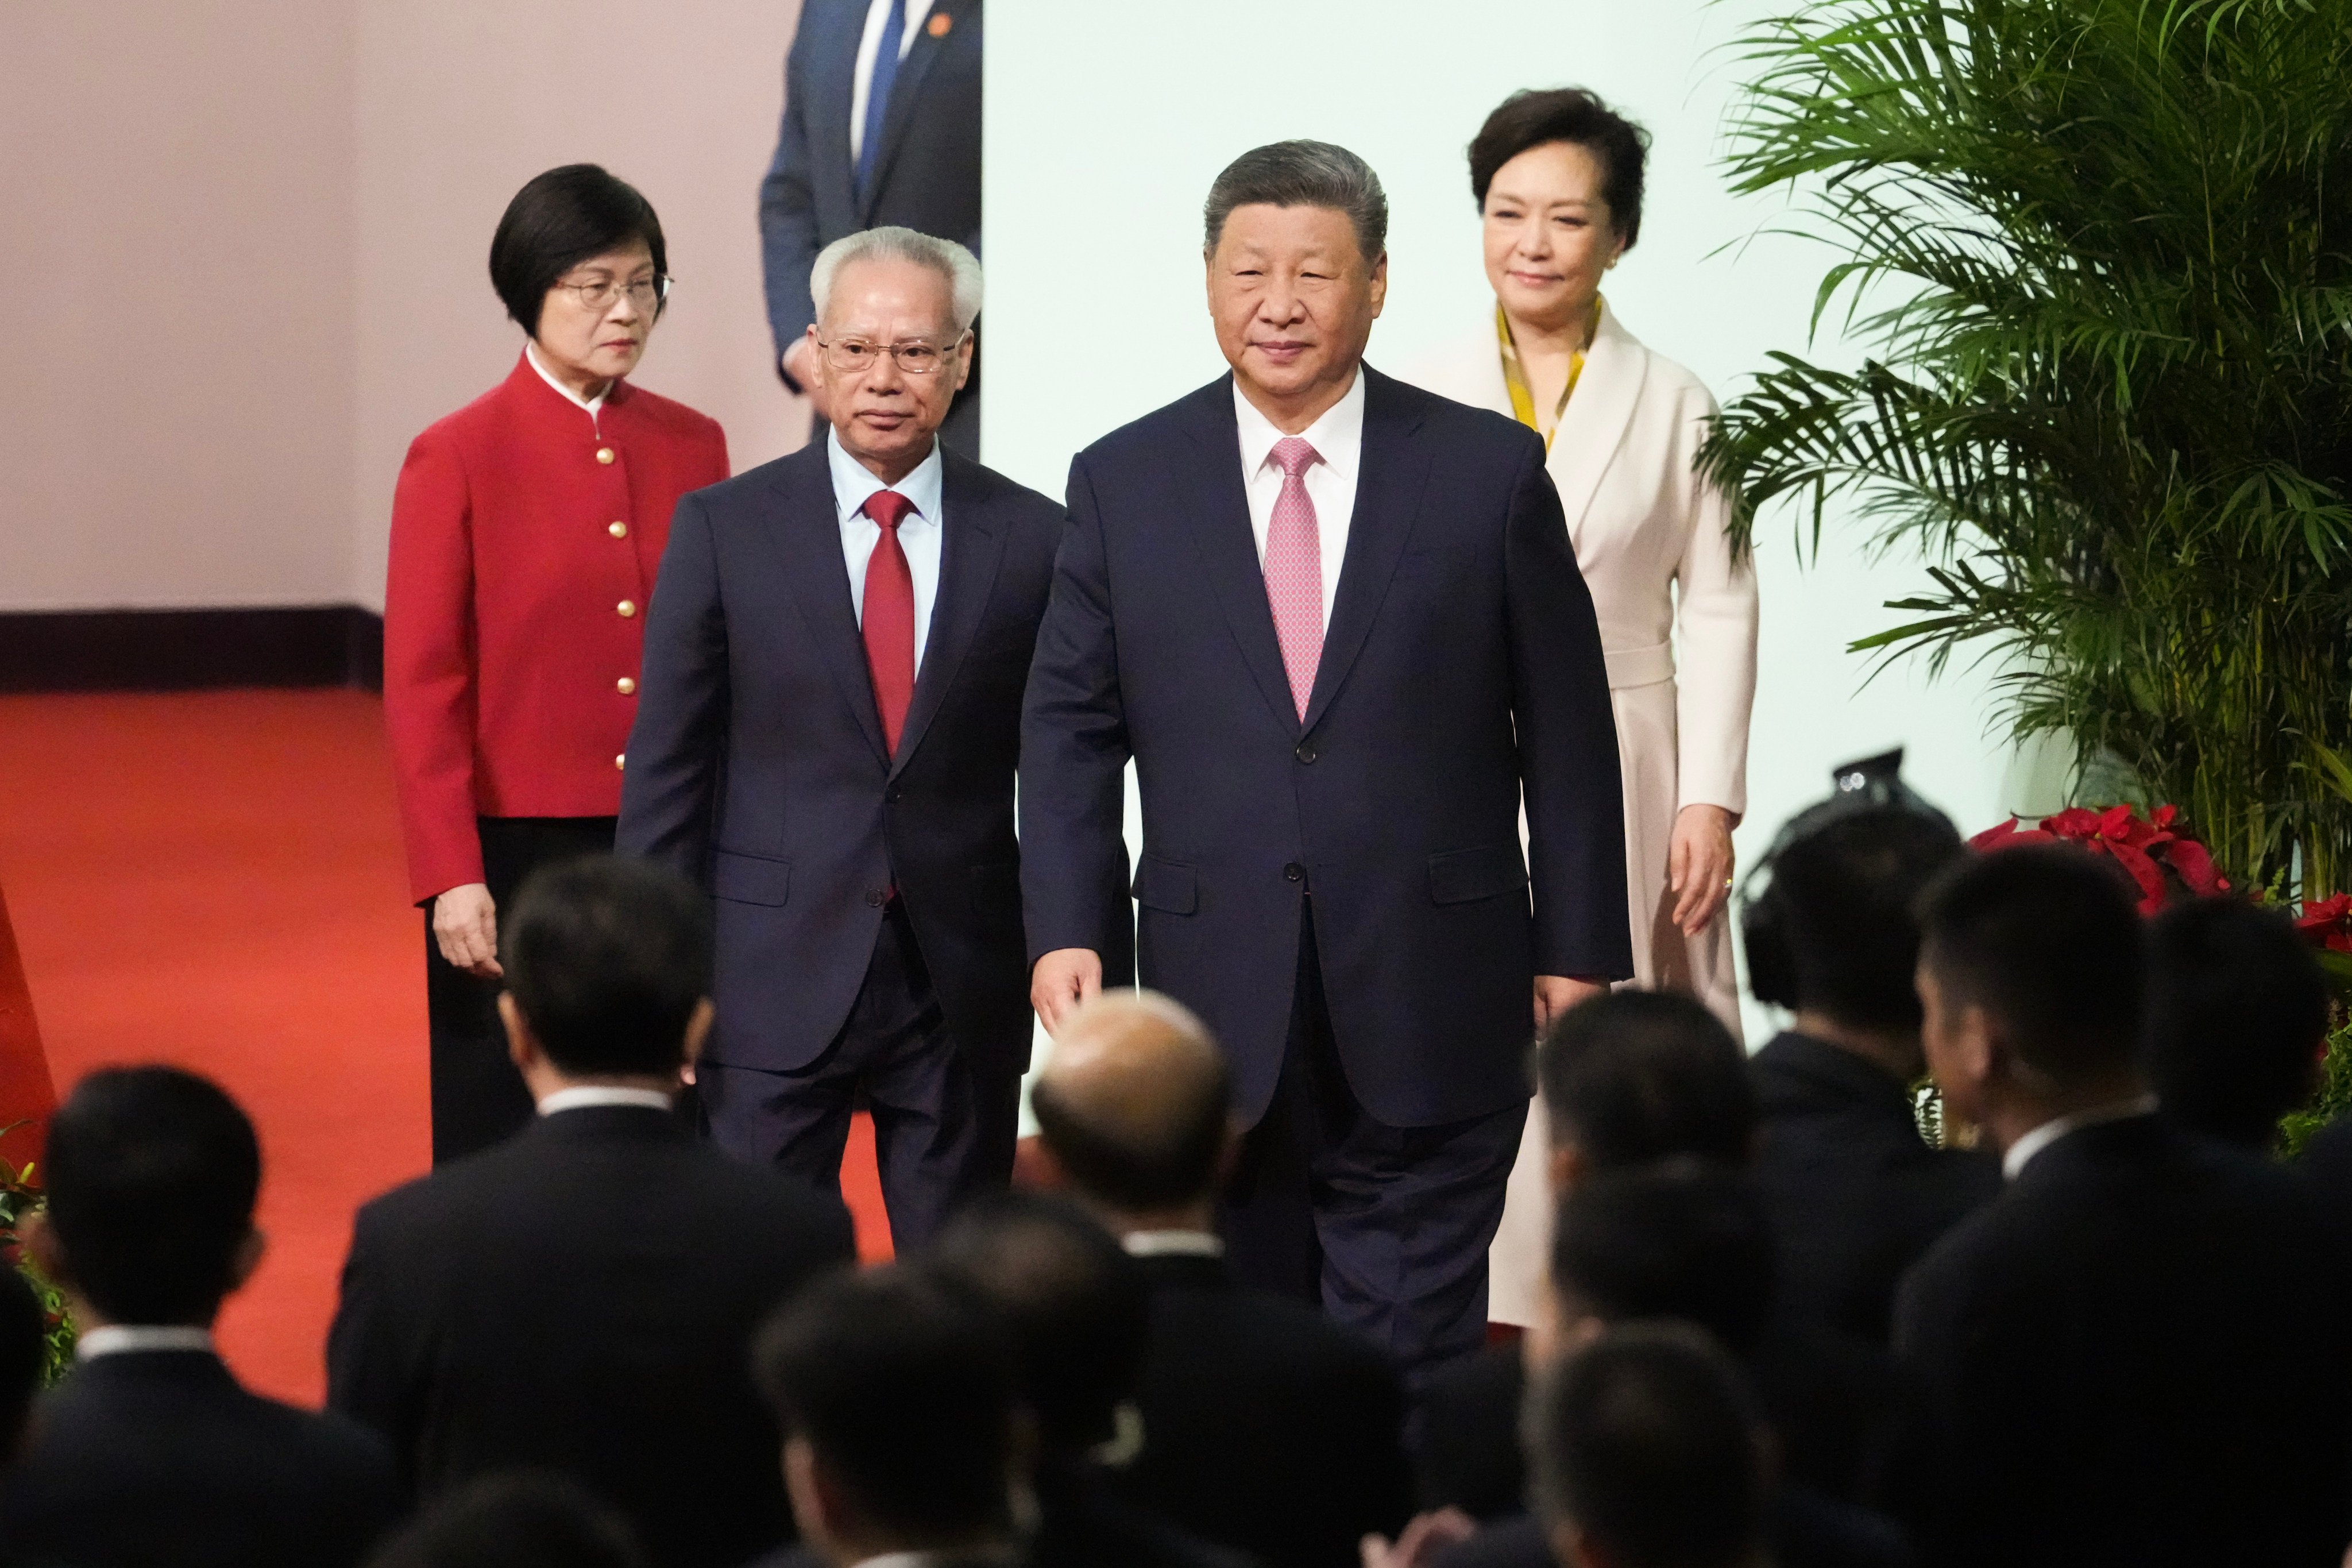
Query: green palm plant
{"type": "Point", "coordinates": [2099, 254]}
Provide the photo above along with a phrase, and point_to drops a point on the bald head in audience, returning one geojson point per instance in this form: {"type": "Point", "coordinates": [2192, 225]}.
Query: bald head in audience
{"type": "Point", "coordinates": [1134, 1113]}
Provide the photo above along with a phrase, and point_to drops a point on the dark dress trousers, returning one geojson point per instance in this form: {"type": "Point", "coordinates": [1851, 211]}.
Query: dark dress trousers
{"type": "Point", "coordinates": [1854, 1194]}
{"type": "Point", "coordinates": [926, 172]}
{"type": "Point", "coordinates": [154, 1457]}
{"type": "Point", "coordinates": [1267, 1428]}
{"type": "Point", "coordinates": [1461, 668]}
{"type": "Point", "coordinates": [583, 1299]}
{"type": "Point", "coordinates": [868, 905]}
{"type": "Point", "coordinates": [2139, 1357]}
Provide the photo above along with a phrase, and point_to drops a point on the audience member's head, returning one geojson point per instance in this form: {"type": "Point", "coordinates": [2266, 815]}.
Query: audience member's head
{"type": "Point", "coordinates": [153, 1176]}
{"type": "Point", "coordinates": [2237, 1017]}
{"type": "Point", "coordinates": [525, 1518]}
{"type": "Point", "coordinates": [1645, 1450]}
{"type": "Point", "coordinates": [2032, 971]}
{"type": "Point", "coordinates": [1681, 1239]}
{"type": "Point", "coordinates": [24, 1352]}
{"type": "Point", "coordinates": [608, 964]}
{"type": "Point", "coordinates": [1074, 1303]}
{"type": "Point", "coordinates": [1834, 938]}
{"type": "Point", "coordinates": [1638, 1075]}
{"type": "Point", "coordinates": [897, 1394]}
{"type": "Point", "coordinates": [1134, 1112]}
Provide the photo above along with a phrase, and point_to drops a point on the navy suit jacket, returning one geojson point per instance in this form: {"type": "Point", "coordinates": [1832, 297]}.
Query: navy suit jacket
{"type": "Point", "coordinates": [926, 174]}
{"type": "Point", "coordinates": [1461, 667]}
{"type": "Point", "coordinates": [757, 763]}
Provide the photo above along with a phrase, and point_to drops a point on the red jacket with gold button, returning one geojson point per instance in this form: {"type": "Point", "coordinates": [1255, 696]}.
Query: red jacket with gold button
{"type": "Point", "coordinates": [525, 536]}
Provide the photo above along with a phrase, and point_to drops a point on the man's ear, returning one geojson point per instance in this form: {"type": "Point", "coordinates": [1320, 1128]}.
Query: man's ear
{"type": "Point", "coordinates": [39, 1240]}
{"type": "Point", "coordinates": [248, 1258]}
{"type": "Point", "coordinates": [523, 1048]}
{"type": "Point", "coordinates": [1229, 1156]}
{"type": "Point", "coordinates": [1041, 1170]}
{"type": "Point", "coordinates": [803, 1486]}
{"type": "Point", "coordinates": [1567, 1167]}
{"type": "Point", "coordinates": [697, 1030]}
{"type": "Point", "coordinates": [1575, 1548]}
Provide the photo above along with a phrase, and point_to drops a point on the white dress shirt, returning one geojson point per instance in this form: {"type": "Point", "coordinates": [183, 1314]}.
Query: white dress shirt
{"type": "Point", "coordinates": [2022, 1153]}
{"type": "Point", "coordinates": [869, 46]}
{"type": "Point", "coordinates": [590, 1096]}
{"type": "Point", "coordinates": [921, 532]}
{"type": "Point", "coordinates": [530, 353]}
{"type": "Point", "coordinates": [1339, 441]}
{"type": "Point", "coordinates": [126, 1339]}
{"type": "Point", "coordinates": [1173, 1244]}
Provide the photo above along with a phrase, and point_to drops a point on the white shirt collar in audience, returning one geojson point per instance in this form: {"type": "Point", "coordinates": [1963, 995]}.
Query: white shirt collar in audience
{"type": "Point", "coordinates": [126, 1339]}
{"type": "Point", "coordinates": [1173, 1244]}
{"type": "Point", "coordinates": [530, 353]}
{"type": "Point", "coordinates": [2021, 1153]}
{"type": "Point", "coordinates": [593, 1095]}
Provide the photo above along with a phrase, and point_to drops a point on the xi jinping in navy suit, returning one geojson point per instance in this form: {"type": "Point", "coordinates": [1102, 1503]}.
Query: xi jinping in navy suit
{"type": "Point", "coordinates": [1337, 623]}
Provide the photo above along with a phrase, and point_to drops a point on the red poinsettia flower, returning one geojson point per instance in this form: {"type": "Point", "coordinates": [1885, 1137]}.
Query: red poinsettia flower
{"type": "Point", "coordinates": [2328, 921]}
{"type": "Point", "coordinates": [2145, 847]}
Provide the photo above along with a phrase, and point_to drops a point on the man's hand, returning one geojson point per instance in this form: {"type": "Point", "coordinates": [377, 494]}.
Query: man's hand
{"type": "Point", "coordinates": [466, 926]}
{"type": "Point", "coordinates": [801, 364]}
{"type": "Point", "coordinates": [1698, 865]}
{"type": "Point", "coordinates": [1064, 978]}
{"type": "Point", "coordinates": [1556, 994]}
{"type": "Point", "coordinates": [1427, 1537]}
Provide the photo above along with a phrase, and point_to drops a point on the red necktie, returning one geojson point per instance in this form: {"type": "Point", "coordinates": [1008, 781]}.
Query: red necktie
{"type": "Point", "coordinates": [888, 620]}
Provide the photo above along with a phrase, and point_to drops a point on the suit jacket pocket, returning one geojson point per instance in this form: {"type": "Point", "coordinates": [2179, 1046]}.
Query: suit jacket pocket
{"type": "Point", "coordinates": [749, 878]}
{"type": "Point", "coordinates": [1464, 876]}
{"type": "Point", "coordinates": [1167, 886]}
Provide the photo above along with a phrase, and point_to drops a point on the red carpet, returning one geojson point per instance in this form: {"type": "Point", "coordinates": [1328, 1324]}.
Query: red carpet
{"type": "Point", "coordinates": [216, 880]}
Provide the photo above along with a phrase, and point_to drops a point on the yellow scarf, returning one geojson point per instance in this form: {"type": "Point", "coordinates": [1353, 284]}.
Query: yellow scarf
{"type": "Point", "coordinates": [1523, 400]}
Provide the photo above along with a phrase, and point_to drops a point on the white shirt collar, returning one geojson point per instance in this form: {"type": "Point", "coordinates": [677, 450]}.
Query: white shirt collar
{"type": "Point", "coordinates": [530, 353]}
{"type": "Point", "coordinates": [854, 483]}
{"type": "Point", "coordinates": [588, 1097]}
{"type": "Point", "coordinates": [126, 1339]}
{"type": "Point", "coordinates": [1337, 436]}
{"type": "Point", "coordinates": [1173, 1244]}
{"type": "Point", "coordinates": [2022, 1153]}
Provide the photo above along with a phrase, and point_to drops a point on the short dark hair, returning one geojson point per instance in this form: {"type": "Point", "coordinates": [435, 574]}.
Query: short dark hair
{"type": "Point", "coordinates": [607, 957]}
{"type": "Point", "coordinates": [904, 1387]}
{"type": "Point", "coordinates": [1648, 1440]}
{"type": "Point", "coordinates": [2237, 1017]}
{"type": "Point", "coordinates": [2045, 940]}
{"type": "Point", "coordinates": [517, 1519]}
{"type": "Point", "coordinates": [1301, 175]}
{"type": "Point", "coordinates": [1837, 917]}
{"type": "Point", "coordinates": [1532, 118]}
{"type": "Point", "coordinates": [153, 1176]}
{"type": "Point", "coordinates": [1637, 1076]}
{"type": "Point", "coordinates": [1679, 1239]}
{"type": "Point", "coordinates": [558, 220]}
{"type": "Point", "coordinates": [24, 1354]}
{"type": "Point", "coordinates": [1175, 1164]}
{"type": "Point", "coordinates": [1073, 1303]}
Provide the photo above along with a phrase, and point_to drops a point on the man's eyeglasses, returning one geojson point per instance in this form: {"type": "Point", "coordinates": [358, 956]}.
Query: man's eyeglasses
{"type": "Point", "coordinates": [851, 356]}
{"type": "Point", "coordinates": [598, 293]}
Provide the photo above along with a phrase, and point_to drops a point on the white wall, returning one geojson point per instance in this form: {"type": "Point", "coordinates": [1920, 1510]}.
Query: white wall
{"type": "Point", "coordinates": [1095, 169]}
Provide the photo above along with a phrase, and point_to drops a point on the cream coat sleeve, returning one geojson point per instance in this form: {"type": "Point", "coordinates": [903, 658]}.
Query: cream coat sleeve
{"type": "Point", "coordinates": [1716, 628]}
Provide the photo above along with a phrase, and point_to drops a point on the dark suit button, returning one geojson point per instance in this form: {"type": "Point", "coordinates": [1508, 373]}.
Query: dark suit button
{"type": "Point", "coordinates": [1294, 872]}
{"type": "Point", "coordinates": [876, 898]}
{"type": "Point", "coordinates": [1306, 752]}
{"type": "Point", "coordinates": [891, 796]}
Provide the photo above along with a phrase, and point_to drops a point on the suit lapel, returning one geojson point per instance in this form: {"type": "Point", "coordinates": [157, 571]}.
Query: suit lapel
{"type": "Point", "coordinates": [1217, 511]}
{"type": "Point", "coordinates": [1390, 476]}
{"type": "Point", "coordinates": [904, 89]}
{"type": "Point", "coordinates": [806, 527]}
{"type": "Point", "coordinates": [1597, 418]}
{"type": "Point", "coordinates": [969, 549]}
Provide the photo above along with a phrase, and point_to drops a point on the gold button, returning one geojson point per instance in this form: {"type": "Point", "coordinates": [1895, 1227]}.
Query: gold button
{"type": "Point", "coordinates": [617, 530]}
{"type": "Point", "coordinates": [603, 454]}
{"type": "Point", "coordinates": [627, 687]}
{"type": "Point", "coordinates": [620, 761]}
{"type": "Point", "coordinates": [628, 607]}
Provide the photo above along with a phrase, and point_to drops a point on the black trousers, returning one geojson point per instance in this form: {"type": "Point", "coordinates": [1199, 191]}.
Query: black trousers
{"type": "Point", "coordinates": [479, 1098]}
{"type": "Point", "coordinates": [1384, 1227]}
{"type": "Point", "coordinates": [944, 1126]}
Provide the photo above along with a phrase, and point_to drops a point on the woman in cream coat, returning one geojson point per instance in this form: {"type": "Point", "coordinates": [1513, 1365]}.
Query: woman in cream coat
{"type": "Point", "coordinates": [1559, 181]}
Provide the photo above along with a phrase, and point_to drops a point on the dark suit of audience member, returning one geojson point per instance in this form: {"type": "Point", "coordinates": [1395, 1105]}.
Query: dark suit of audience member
{"type": "Point", "coordinates": [2125, 1346]}
{"type": "Point", "coordinates": [881, 127]}
{"type": "Point", "coordinates": [583, 1298]}
{"type": "Point", "coordinates": [151, 1452]}
{"type": "Point", "coordinates": [1267, 1428]}
{"type": "Point", "coordinates": [826, 738]}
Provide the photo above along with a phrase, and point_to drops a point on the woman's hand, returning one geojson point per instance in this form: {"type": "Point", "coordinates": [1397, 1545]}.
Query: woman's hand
{"type": "Point", "coordinates": [466, 925]}
{"type": "Point", "coordinates": [1698, 865]}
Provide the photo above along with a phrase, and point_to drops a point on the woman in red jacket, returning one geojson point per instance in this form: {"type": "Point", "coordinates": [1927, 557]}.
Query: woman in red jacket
{"type": "Point", "coordinates": [525, 534]}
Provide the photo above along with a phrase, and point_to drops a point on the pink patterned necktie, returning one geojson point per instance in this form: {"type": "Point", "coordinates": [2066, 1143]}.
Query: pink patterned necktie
{"type": "Point", "coordinates": [1294, 570]}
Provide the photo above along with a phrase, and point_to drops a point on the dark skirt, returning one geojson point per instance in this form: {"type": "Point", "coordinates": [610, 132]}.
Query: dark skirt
{"type": "Point", "coordinates": [478, 1097]}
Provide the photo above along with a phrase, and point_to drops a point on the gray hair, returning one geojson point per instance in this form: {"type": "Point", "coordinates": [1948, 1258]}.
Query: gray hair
{"type": "Point", "coordinates": [1301, 175]}
{"type": "Point", "coordinates": [951, 261]}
